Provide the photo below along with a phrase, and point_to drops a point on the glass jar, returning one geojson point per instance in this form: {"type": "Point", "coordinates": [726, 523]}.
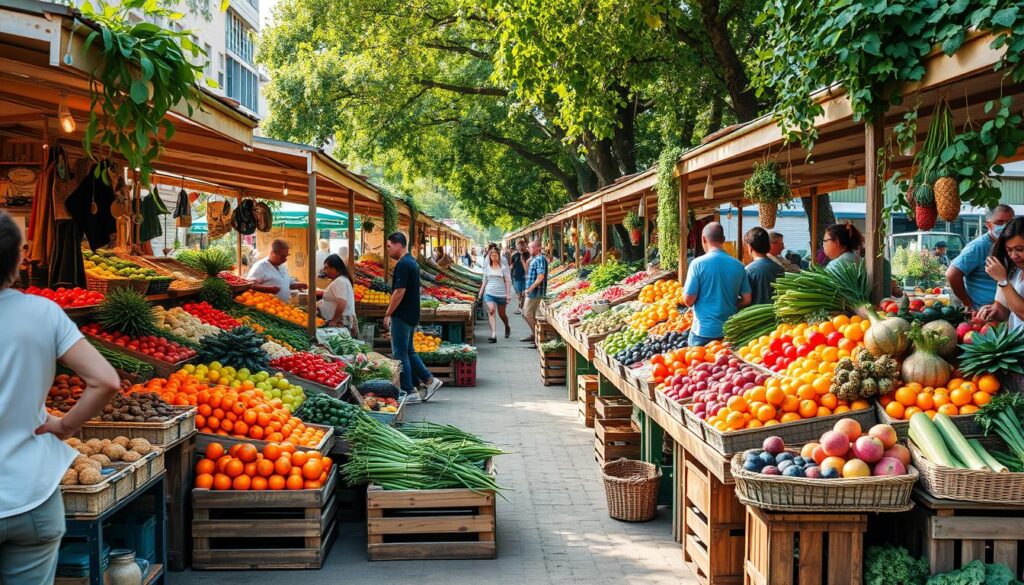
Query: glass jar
{"type": "Point", "coordinates": [123, 569]}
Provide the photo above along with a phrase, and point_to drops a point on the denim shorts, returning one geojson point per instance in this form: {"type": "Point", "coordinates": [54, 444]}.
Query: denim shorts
{"type": "Point", "coordinates": [519, 284]}
{"type": "Point", "coordinates": [496, 300]}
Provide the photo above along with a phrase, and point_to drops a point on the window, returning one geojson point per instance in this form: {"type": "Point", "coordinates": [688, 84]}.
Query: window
{"type": "Point", "coordinates": [220, 70]}
{"type": "Point", "coordinates": [239, 39]}
{"type": "Point", "coordinates": [208, 69]}
{"type": "Point", "coordinates": [243, 84]}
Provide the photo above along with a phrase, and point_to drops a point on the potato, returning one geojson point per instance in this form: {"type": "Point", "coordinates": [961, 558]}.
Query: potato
{"type": "Point", "coordinates": [101, 458]}
{"type": "Point", "coordinates": [123, 441]}
{"type": "Point", "coordinates": [141, 446]}
{"type": "Point", "coordinates": [131, 457]}
{"type": "Point", "coordinates": [115, 452]}
{"type": "Point", "coordinates": [89, 476]}
{"type": "Point", "coordinates": [74, 442]}
{"type": "Point", "coordinates": [70, 478]}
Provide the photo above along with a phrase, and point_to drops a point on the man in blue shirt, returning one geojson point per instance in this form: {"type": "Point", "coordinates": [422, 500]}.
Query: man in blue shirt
{"type": "Point", "coordinates": [966, 272]}
{"type": "Point", "coordinates": [716, 286]}
{"type": "Point", "coordinates": [537, 287]}
{"type": "Point", "coordinates": [402, 317]}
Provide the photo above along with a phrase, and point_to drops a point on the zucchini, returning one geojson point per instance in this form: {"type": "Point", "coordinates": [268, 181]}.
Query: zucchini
{"type": "Point", "coordinates": [926, 436]}
{"type": "Point", "coordinates": [987, 457]}
{"type": "Point", "coordinates": [958, 445]}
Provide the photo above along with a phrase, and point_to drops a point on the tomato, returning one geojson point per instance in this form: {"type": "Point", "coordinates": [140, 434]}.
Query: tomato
{"type": "Point", "coordinates": [834, 338]}
{"type": "Point", "coordinates": [815, 339]}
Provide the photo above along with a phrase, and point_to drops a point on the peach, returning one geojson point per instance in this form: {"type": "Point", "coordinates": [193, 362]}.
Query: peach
{"type": "Point", "coordinates": [868, 449]}
{"type": "Point", "coordinates": [884, 433]}
{"type": "Point", "coordinates": [898, 452]}
{"type": "Point", "coordinates": [856, 468]}
{"type": "Point", "coordinates": [848, 427]}
{"type": "Point", "coordinates": [807, 451]}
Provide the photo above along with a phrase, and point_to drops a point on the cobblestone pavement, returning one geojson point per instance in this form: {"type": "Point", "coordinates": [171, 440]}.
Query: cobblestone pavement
{"type": "Point", "coordinates": [552, 529]}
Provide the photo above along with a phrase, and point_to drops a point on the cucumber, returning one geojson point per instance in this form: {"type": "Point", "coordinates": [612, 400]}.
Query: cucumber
{"type": "Point", "coordinates": [958, 445]}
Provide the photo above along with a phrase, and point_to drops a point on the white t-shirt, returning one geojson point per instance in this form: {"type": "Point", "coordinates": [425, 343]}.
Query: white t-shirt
{"type": "Point", "coordinates": [266, 274]}
{"type": "Point", "coordinates": [36, 334]}
{"type": "Point", "coordinates": [321, 255]}
{"type": "Point", "coordinates": [1017, 282]}
{"type": "Point", "coordinates": [496, 286]}
{"type": "Point", "coordinates": [339, 289]}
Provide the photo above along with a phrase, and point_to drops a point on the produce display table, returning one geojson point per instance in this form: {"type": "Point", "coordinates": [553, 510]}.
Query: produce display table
{"type": "Point", "coordinates": [91, 528]}
{"type": "Point", "coordinates": [772, 538]}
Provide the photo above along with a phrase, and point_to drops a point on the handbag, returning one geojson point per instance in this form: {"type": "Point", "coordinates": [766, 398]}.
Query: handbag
{"type": "Point", "coordinates": [244, 219]}
{"type": "Point", "coordinates": [182, 211]}
{"type": "Point", "coordinates": [264, 217]}
{"type": "Point", "coordinates": [218, 218]}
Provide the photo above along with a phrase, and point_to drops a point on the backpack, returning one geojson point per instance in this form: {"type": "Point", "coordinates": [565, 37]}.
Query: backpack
{"type": "Point", "coordinates": [244, 218]}
{"type": "Point", "coordinates": [218, 218]}
{"type": "Point", "coordinates": [264, 217]}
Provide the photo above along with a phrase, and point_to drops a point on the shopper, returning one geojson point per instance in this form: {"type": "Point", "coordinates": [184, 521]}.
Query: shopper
{"type": "Point", "coordinates": [840, 244]}
{"type": "Point", "coordinates": [519, 264]}
{"type": "Point", "coordinates": [537, 280]}
{"type": "Point", "coordinates": [761, 271]}
{"type": "Point", "coordinates": [323, 251]}
{"type": "Point", "coordinates": [33, 457]}
{"type": "Point", "coordinates": [496, 292]}
{"type": "Point", "coordinates": [940, 251]}
{"type": "Point", "coordinates": [338, 305]}
{"type": "Point", "coordinates": [776, 255]}
{"type": "Point", "coordinates": [467, 261]}
{"type": "Point", "coordinates": [716, 286]}
{"type": "Point", "coordinates": [966, 273]}
{"type": "Point", "coordinates": [402, 317]}
{"type": "Point", "coordinates": [270, 275]}
{"type": "Point", "coordinates": [1006, 267]}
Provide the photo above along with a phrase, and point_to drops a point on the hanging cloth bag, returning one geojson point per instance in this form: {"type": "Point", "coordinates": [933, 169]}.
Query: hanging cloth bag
{"type": "Point", "coordinates": [264, 217]}
{"type": "Point", "coordinates": [218, 218]}
{"type": "Point", "coordinates": [244, 218]}
{"type": "Point", "coordinates": [183, 211]}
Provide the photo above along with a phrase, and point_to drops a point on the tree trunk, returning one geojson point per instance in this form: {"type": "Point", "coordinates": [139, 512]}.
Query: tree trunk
{"type": "Point", "coordinates": [744, 101]}
{"type": "Point", "coordinates": [629, 251]}
{"type": "Point", "coordinates": [715, 116]}
{"type": "Point", "coordinates": [599, 157]}
{"type": "Point", "coordinates": [624, 140]}
{"type": "Point", "coordinates": [826, 217]}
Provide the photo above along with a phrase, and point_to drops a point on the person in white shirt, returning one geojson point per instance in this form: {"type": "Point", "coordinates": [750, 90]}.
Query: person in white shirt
{"type": "Point", "coordinates": [322, 252]}
{"type": "Point", "coordinates": [496, 291]}
{"type": "Point", "coordinates": [33, 456]}
{"type": "Point", "coordinates": [270, 275]}
{"type": "Point", "coordinates": [1006, 267]}
{"type": "Point", "coordinates": [338, 305]}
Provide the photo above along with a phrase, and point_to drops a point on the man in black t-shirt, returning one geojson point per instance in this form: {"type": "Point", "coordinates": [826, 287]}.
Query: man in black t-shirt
{"type": "Point", "coordinates": [517, 269]}
{"type": "Point", "coordinates": [402, 317]}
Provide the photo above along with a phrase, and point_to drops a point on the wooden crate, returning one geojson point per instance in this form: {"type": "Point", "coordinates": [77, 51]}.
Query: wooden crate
{"type": "Point", "coordinates": [612, 407]}
{"type": "Point", "coordinates": [262, 530]}
{"type": "Point", "coordinates": [430, 524]}
{"type": "Point", "coordinates": [553, 368]}
{"type": "Point", "coordinates": [543, 331]}
{"type": "Point", "coordinates": [443, 372]}
{"type": "Point", "coordinates": [167, 432]}
{"type": "Point", "coordinates": [809, 549]}
{"type": "Point", "coordinates": [180, 461]}
{"type": "Point", "coordinates": [952, 533]}
{"type": "Point", "coordinates": [615, 438]}
{"type": "Point", "coordinates": [710, 523]}
{"type": "Point", "coordinates": [586, 393]}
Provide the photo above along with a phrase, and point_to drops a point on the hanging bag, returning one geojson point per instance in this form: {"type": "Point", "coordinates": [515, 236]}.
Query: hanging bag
{"type": "Point", "coordinates": [244, 219]}
{"type": "Point", "coordinates": [183, 211]}
{"type": "Point", "coordinates": [264, 217]}
{"type": "Point", "coordinates": [218, 218]}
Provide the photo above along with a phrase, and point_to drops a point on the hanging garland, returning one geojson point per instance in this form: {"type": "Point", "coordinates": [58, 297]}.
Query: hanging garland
{"type": "Point", "coordinates": [143, 72]}
{"type": "Point", "coordinates": [414, 212]}
{"type": "Point", "coordinates": [667, 187]}
{"type": "Point", "coordinates": [390, 213]}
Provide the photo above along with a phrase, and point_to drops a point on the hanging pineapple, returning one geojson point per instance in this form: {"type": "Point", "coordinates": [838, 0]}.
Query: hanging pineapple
{"type": "Point", "coordinates": [947, 197]}
{"type": "Point", "coordinates": [925, 213]}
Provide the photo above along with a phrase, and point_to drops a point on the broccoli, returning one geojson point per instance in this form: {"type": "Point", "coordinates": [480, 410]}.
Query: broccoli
{"type": "Point", "coordinates": [886, 385]}
{"type": "Point", "coordinates": [868, 388]}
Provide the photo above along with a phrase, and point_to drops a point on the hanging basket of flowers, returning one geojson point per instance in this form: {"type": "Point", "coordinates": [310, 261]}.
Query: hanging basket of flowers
{"type": "Point", "coordinates": [767, 187]}
{"type": "Point", "coordinates": [633, 225]}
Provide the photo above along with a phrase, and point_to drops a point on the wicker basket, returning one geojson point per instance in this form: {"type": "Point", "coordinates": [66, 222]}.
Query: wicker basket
{"type": "Point", "coordinates": [631, 488]}
{"type": "Point", "coordinates": [968, 484]}
{"type": "Point", "coordinates": [157, 433]}
{"type": "Point", "coordinates": [796, 432]}
{"type": "Point", "coordinates": [802, 494]}
{"type": "Point", "coordinates": [105, 285]}
{"type": "Point", "coordinates": [964, 422]}
{"type": "Point", "coordinates": [673, 407]}
{"type": "Point", "coordinates": [159, 285]}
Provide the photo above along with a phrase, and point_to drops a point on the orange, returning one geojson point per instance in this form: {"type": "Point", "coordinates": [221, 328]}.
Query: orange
{"type": "Point", "coordinates": [259, 484]}
{"type": "Point", "coordinates": [221, 482]}
{"type": "Point", "coordinates": [242, 482]}
{"type": "Point", "coordinates": [988, 383]}
{"type": "Point", "coordinates": [205, 466]}
{"type": "Point", "coordinates": [312, 469]}
{"type": "Point", "coordinates": [960, 396]}
{"type": "Point", "coordinates": [234, 468]}
{"type": "Point", "coordinates": [980, 398]}
{"type": "Point", "coordinates": [775, 396]}
{"type": "Point", "coordinates": [327, 462]}
{"type": "Point", "coordinates": [955, 383]}
{"type": "Point", "coordinates": [791, 404]}
{"type": "Point", "coordinates": [735, 420]}
{"type": "Point", "coordinates": [808, 409]}
{"type": "Point", "coordinates": [771, 423]}
{"type": "Point", "coordinates": [911, 411]}
{"type": "Point", "coordinates": [854, 334]}
{"type": "Point", "coordinates": [790, 417]}
{"type": "Point", "coordinates": [204, 481]}
{"type": "Point", "coordinates": [906, 396]}
{"type": "Point", "coordinates": [276, 482]}
{"type": "Point", "coordinates": [828, 400]}
{"type": "Point", "coordinates": [840, 320]}
{"type": "Point", "coordinates": [940, 398]}
{"type": "Point", "coordinates": [895, 410]}
{"type": "Point", "coordinates": [841, 409]}
{"type": "Point", "coordinates": [821, 384]}
{"type": "Point", "coordinates": [282, 466]}
{"type": "Point", "coordinates": [294, 482]}
{"type": "Point", "coordinates": [214, 451]}
{"type": "Point", "coordinates": [247, 453]}
{"type": "Point", "coordinates": [830, 354]}
{"type": "Point", "coordinates": [925, 400]}
{"type": "Point", "coordinates": [737, 403]}
{"type": "Point", "coordinates": [968, 409]}
{"type": "Point", "coordinates": [299, 458]}
{"type": "Point", "coordinates": [823, 411]}
{"type": "Point", "coordinates": [264, 468]}
{"type": "Point", "coordinates": [806, 392]}
{"type": "Point", "coordinates": [765, 412]}
{"type": "Point", "coordinates": [948, 410]}
{"type": "Point", "coordinates": [250, 469]}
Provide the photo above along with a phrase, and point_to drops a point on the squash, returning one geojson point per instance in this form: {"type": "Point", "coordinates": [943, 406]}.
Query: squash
{"type": "Point", "coordinates": [885, 336]}
{"type": "Point", "coordinates": [924, 365]}
{"type": "Point", "coordinates": [945, 329]}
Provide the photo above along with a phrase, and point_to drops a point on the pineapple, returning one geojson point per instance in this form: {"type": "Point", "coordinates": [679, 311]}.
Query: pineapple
{"type": "Point", "coordinates": [925, 213]}
{"type": "Point", "coordinates": [947, 198]}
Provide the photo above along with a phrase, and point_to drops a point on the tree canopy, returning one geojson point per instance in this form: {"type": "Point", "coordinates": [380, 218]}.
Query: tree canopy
{"type": "Point", "coordinates": [513, 107]}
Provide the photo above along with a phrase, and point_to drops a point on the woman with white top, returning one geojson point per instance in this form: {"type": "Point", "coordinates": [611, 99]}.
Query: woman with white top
{"type": "Point", "coordinates": [1006, 267]}
{"type": "Point", "coordinates": [33, 456]}
{"type": "Point", "coordinates": [338, 306]}
{"type": "Point", "coordinates": [496, 291]}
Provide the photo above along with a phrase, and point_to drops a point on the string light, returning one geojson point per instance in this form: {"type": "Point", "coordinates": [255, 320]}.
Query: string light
{"type": "Point", "coordinates": [67, 121]}
{"type": "Point", "coordinates": [709, 187]}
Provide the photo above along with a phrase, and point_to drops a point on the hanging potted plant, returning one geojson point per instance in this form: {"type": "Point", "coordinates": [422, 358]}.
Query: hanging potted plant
{"type": "Point", "coordinates": [938, 192]}
{"type": "Point", "coordinates": [633, 225]}
{"type": "Point", "coordinates": [768, 189]}
{"type": "Point", "coordinates": [368, 226]}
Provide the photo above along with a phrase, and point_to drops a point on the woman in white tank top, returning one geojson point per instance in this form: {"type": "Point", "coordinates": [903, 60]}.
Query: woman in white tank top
{"type": "Point", "coordinates": [496, 291]}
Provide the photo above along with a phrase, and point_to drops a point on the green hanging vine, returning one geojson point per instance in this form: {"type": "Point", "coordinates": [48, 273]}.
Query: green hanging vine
{"type": "Point", "coordinates": [667, 187]}
{"type": "Point", "coordinates": [390, 213]}
{"type": "Point", "coordinates": [143, 72]}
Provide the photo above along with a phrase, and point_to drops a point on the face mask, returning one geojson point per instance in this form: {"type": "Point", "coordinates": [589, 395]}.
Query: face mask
{"type": "Point", "coordinates": [997, 229]}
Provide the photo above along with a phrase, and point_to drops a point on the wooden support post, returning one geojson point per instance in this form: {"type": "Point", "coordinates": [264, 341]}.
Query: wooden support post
{"type": "Point", "coordinates": [684, 228]}
{"type": "Point", "coordinates": [814, 223]}
{"type": "Point", "coordinates": [351, 232]}
{"type": "Point", "coordinates": [311, 237]}
{"type": "Point", "coordinates": [551, 238]}
{"type": "Point", "coordinates": [739, 231]}
{"type": "Point", "coordinates": [561, 241]}
{"type": "Point", "coordinates": [874, 136]}
{"type": "Point", "coordinates": [238, 250]}
{"type": "Point", "coordinates": [604, 232]}
{"type": "Point", "coordinates": [644, 242]}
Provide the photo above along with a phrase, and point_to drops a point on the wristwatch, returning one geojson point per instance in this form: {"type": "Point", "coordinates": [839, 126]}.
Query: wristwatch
{"type": "Point", "coordinates": [1002, 283]}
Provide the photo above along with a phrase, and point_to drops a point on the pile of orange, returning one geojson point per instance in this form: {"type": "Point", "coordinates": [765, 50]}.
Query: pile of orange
{"type": "Point", "coordinates": [272, 305]}
{"type": "Point", "coordinates": [646, 318]}
{"type": "Point", "coordinates": [249, 414]}
{"type": "Point", "coordinates": [679, 361]}
{"type": "Point", "coordinates": [663, 289]}
{"type": "Point", "coordinates": [850, 330]}
{"type": "Point", "coordinates": [958, 397]}
{"type": "Point", "coordinates": [676, 322]}
{"type": "Point", "coordinates": [278, 467]}
{"type": "Point", "coordinates": [179, 389]}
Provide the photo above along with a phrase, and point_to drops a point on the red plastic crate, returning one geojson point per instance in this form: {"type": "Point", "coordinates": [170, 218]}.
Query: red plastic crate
{"type": "Point", "coordinates": [465, 373]}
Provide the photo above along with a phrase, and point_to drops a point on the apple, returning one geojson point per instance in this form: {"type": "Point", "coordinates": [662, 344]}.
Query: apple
{"type": "Point", "coordinates": [884, 433]}
{"type": "Point", "coordinates": [835, 443]}
{"type": "Point", "coordinates": [868, 449]}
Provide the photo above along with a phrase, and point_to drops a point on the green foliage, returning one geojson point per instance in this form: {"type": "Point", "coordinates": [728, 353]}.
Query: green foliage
{"type": "Point", "coordinates": [390, 213]}
{"type": "Point", "coordinates": [217, 292]}
{"type": "Point", "coordinates": [766, 184]}
{"type": "Point", "coordinates": [889, 565]}
{"type": "Point", "coordinates": [668, 209]}
{"type": "Point", "coordinates": [211, 261]}
{"type": "Point", "coordinates": [871, 48]}
{"type": "Point", "coordinates": [632, 221]}
{"type": "Point", "coordinates": [973, 155]}
{"type": "Point", "coordinates": [976, 572]}
{"type": "Point", "coordinates": [919, 264]}
{"type": "Point", "coordinates": [143, 72]}
{"type": "Point", "coordinates": [126, 311]}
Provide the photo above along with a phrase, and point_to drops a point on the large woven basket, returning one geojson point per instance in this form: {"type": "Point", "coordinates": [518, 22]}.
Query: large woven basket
{"type": "Point", "coordinates": [964, 422]}
{"type": "Point", "coordinates": [631, 488]}
{"type": "Point", "coordinates": [105, 285]}
{"type": "Point", "coordinates": [801, 494]}
{"type": "Point", "coordinates": [968, 484]}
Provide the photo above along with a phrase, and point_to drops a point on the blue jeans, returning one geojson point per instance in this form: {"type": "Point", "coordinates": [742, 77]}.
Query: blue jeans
{"type": "Point", "coordinates": [694, 340]}
{"type": "Point", "coordinates": [29, 542]}
{"type": "Point", "coordinates": [519, 284]}
{"type": "Point", "coordinates": [413, 370]}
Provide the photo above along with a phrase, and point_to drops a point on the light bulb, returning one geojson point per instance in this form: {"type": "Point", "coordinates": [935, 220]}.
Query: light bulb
{"type": "Point", "coordinates": [851, 183]}
{"type": "Point", "coordinates": [709, 188]}
{"type": "Point", "coordinates": [67, 121]}
{"type": "Point", "coordinates": [285, 191]}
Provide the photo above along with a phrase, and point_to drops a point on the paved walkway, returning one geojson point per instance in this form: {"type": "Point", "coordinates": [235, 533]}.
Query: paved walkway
{"type": "Point", "coordinates": [552, 529]}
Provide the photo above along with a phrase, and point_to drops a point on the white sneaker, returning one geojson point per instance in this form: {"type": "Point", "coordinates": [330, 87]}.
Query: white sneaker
{"type": "Point", "coordinates": [431, 388]}
{"type": "Point", "coordinates": [414, 398]}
